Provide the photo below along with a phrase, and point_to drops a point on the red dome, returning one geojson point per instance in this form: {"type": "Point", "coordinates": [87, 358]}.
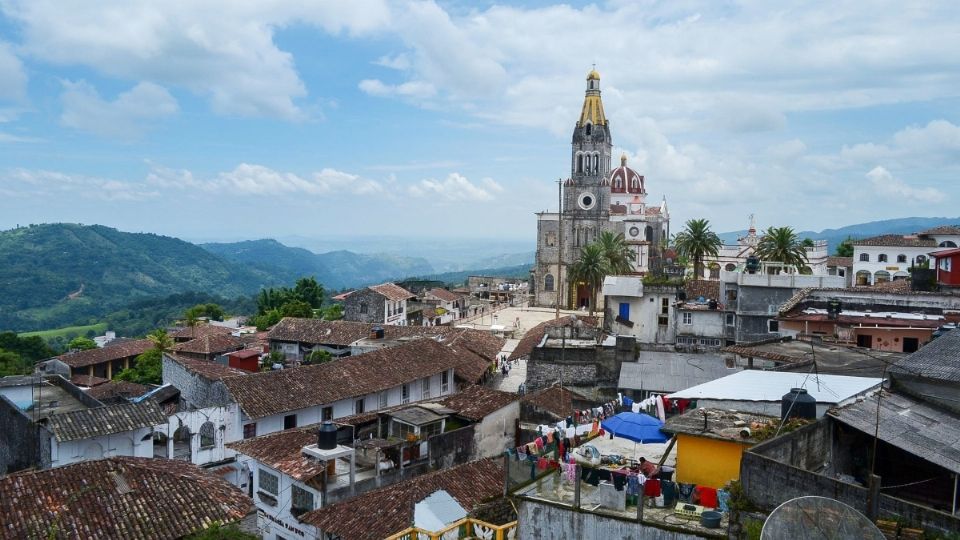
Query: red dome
{"type": "Point", "coordinates": [623, 179]}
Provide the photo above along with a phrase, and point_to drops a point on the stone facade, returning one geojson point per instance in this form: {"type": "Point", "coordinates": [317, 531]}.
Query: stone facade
{"type": "Point", "coordinates": [365, 305]}
{"type": "Point", "coordinates": [196, 391]}
{"type": "Point", "coordinates": [590, 206]}
{"type": "Point", "coordinates": [579, 364]}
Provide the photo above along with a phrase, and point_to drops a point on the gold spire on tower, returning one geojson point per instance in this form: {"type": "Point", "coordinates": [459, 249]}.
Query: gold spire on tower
{"type": "Point", "coordinates": [592, 105]}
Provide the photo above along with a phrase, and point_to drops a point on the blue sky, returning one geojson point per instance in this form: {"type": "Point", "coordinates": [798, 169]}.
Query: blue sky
{"type": "Point", "coordinates": [236, 119]}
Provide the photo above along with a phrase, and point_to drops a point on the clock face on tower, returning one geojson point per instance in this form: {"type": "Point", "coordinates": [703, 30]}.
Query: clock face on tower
{"type": "Point", "coordinates": [634, 231]}
{"type": "Point", "coordinates": [587, 200]}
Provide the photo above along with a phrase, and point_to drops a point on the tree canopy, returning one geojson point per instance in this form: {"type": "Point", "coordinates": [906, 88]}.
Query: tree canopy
{"type": "Point", "coordinates": [147, 368]}
{"type": "Point", "coordinates": [81, 343]}
{"type": "Point", "coordinates": [591, 268]}
{"type": "Point", "coordinates": [781, 244]}
{"type": "Point", "coordinates": [697, 241]}
{"type": "Point", "coordinates": [845, 248]}
{"type": "Point", "coordinates": [618, 256]}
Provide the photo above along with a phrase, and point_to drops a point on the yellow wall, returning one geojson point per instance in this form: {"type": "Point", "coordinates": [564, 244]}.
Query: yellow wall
{"type": "Point", "coordinates": [707, 462]}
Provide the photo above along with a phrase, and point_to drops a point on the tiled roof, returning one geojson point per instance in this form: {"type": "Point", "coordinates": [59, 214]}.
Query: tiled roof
{"type": "Point", "coordinates": [88, 380]}
{"type": "Point", "coordinates": [444, 295]}
{"type": "Point", "coordinates": [382, 512]}
{"type": "Point", "coordinates": [212, 344]}
{"type": "Point", "coordinates": [392, 291]}
{"type": "Point", "coordinates": [476, 402]}
{"type": "Point", "coordinates": [341, 333]}
{"type": "Point", "coordinates": [898, 285]}
{"type": "Point", "coordinates": [117, 388]}
{"type": "Point", "coordinates": [533, 336]}
{"type": "Point", "coordinates": [267, 393]}
{"type": "Point", "coordinates": [841, 262]}
{"type": "Point", "coordinates": [483, 343]}
{"type": "Point", "coordinates": [113, 351]}
{"type": "Point", "coordinates": [706, 288]}
{"type": "Point", "coordinates": [283, 451]}
{"type": "Point", "coordinates": [121, 497]}
{"type": "Point", "coordinates": [211, 371]}
{"type": "Point", "coordinates": [939, 359]}
{"type": "Point", "coordinates": [553, 399]}
{"type": "Point", "coordinates": [941, 230]}
{"type": "Point", "coordinates": [896, 240]}
{"type": "Point", "coordinates": [87, 423]}
{"type": "Point", "coordinates": [200, 331]}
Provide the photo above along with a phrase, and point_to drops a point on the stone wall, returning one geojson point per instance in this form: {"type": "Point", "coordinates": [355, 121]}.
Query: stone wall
{"type": "Point", "coordinates": [23, 444]}
{"type": "Point", "coordinates": [498, 511]}
{"type": "Point", "coordinates": [588, 367]}
{"type": "Point", "coordinates": [195, 390]}
{"type": "Point", "coordinates": [451, 448]}
{"type": "Point", "coordinates": [541, 520]}
{"type": "Point", "coordinates": [375, 307]}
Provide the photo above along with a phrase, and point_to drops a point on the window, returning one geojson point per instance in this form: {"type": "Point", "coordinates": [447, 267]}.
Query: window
{"type": "Point", "coordinates": [731, 320]}
{"type": "Point", "coordinates": [383, 400]}
{"type": "Point", "coordinates": [405, 394]}
{"type": "Point", "coordinates": [444, 382]}
{"type": "Point", "coordinates": [290, 421]}
{"type": "Point", "coordinates": [773, 326]}
{"type": "Point", "coordinates": [624, 311]}
{"type": "Point", "coordinates": [358, 406]}
{"type": "Point", "coordinates": [430, 430]}
{"type": "Point", "coordinates": [301, 500]}
{"type": "Point", "coordinates": [268, 482]}
{"type": "Point", "coordinates": [548, 283]}
{"type": "Point", "coordinates": [882, 257]}
{"type": "Point", "coordinates": [580, 162]}
{"type": "Point", "coordinates": [589, 128]}
{"type": "Point", "coordinates": [944, 264]}
{"type": "Point", "coordinates": [948, 243]}
{"type": "Point", "coordinates": [426, 387]}
{"type": "Point", "coordinates": [688, 318]}
{"type": "Point", "coordinates": [326, 413]}
{"type": "Point", "coordinates": [662, 320]}
{"type": "Point", "coordinates": [901, 258]}
{"type": "Point", "coordinates": [664, 306]}
{"type": "Point", "coordinates": [864, 257]}
{"type": "Point", "coordinates": [363, 308]}
{"type": "Point", "coordinates": [249, 431]}
{"type": "Point", "coordinates": [207, 432]}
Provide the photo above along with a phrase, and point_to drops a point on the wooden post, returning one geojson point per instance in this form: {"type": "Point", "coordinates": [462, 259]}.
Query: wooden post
{"type": "Point", "coordinates": [640, 499]}
{"type": "Point", "coordinates": [954, 507]}
{"type": "Point", "coordinates": [576, 486]}
{"type": "Point", "coordinates": [873, 498]}
{"type": "Point", "coordinates": [506, 474]}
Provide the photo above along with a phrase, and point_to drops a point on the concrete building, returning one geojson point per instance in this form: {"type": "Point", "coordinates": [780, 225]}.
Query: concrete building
{"type": "Point", "coordinates": [733, 257]}
{"type": "Point", "coordinates": [645, 312]}
{"type": "Point", "coordinates": [381, 304]}
{"type": "Point", "coordinates": [948, 269]}
{"type": "Point", "coordinates": [594, 199]}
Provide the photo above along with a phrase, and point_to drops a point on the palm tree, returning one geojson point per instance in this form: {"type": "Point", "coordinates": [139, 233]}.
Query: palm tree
{"type": "Point", "coordinates": [590, 268]}
{"type": "Point", "coordinates": [697, 241]}
{"type": "Point", "coordinates": [160, 339]}
{"type": "Point", "coordinates": [618, 255]}
{"type": "Point", "coordinates": [781, 244]}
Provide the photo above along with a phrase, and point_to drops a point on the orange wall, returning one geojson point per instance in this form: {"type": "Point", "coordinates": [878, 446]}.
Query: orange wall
{"type": "Point", "coordinates": [892, 340]}
{"type": "Point", "coordinates": [708, 462]}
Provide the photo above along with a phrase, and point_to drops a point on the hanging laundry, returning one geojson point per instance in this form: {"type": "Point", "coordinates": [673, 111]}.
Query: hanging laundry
{"type": "Point", "coordinates": [660, 413]}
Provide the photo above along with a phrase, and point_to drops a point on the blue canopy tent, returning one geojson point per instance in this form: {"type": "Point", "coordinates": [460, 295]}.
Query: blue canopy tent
{"type": "Point", "coordinates": [637, 427]}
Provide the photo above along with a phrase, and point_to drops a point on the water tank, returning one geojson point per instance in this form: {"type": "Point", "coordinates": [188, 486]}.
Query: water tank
{"type": "Point", "coordinates": [833, 309]}
{"type": "Point", "coordinates": [753, 263]}
{"type": "Point", "coordinates": [327, 436]}
{"type": "Point", "coordinates": [378, 332]}
{"type": "Point", "coordinates": [712, 304]}
{"type": "Point", "coordinates": [681, 295]}
{"type": "Point", "coordinates": [799, 403]}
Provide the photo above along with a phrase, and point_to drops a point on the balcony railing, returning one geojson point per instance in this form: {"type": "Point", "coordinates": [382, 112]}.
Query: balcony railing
{"type": "Point", "coordinates": [465, 528]}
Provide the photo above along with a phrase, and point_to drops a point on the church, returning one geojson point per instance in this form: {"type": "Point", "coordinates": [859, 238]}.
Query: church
{"type": "Point", "coordinates": [595, 198]}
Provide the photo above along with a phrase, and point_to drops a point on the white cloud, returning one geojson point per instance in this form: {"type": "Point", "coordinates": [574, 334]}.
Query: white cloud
{"type": "Point", "coordinates": [893, 188]}
{"type": "Point", "coordinates": [413, 89]}
{"type": "Point", "coordinates": [221, 49]}
{"type": "Point", "coordinates": [58, 185]}
{"type": "Point", "coordinates": [125, 117]}
{"type": "Point", "coordinates": [455, 188]}
{"type": "Point", "coordinates": [787, 150]}
{"type": "Point", "coordinates": [251, 179]}
{"type": "Point", "coordinates": [399, 62]}
{"type": "Point", "coordinates": [14, 79]}
{"type": "Point", "coordinates": [11, 138]}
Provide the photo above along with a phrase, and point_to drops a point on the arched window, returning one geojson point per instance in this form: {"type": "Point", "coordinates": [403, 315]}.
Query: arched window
{"type": "Point", "coordinates": [579, 163]}
{"type": "Point", "coordinates": [596, 163]}
{"type": "Point", "coordinates": [882, 257]}
{"type": "Point", "coordinates": [589, 128]}
{"type": "Point", "coordinates": [864, 257]}
{"type": "Point", "coordinates": [901, 258]}
{"type": "Point", "coordinates": [948, 243]}
{"type": "Point", "coordinates": [618, 182]}
{"type": "Point", "coordinates": [207, 432]}
{"type": "Point", "coordinates": [730, 267]}
{"type": "Point", "coordinates": [648, 234]}
{"type": "Point", "coordinates": [548, 282]}
{"type": "Point", "coordinates": [921, 259]}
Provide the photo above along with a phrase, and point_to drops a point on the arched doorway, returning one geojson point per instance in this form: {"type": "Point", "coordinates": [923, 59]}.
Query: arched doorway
{"type": "Point", "coordinates": [714, 271]}
{"type": "Point", "coordinates": [122, 446]}
{"type": "Point", "coordinates": [181, 443]}
{"type": "Point", "coordinates": [881, 276]}
{"type": "Point", "coordinates": [93, 451]}
{"type": "Point", "coordinates": [160, 440]}
{"type": "Point", "coordinates": [863, 277]}
{"type": "Point", "coordinates": [900, 276]}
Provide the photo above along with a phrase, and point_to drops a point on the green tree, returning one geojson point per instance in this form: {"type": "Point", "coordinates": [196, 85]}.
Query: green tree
{"type": "Point", "coordinates": [308, 290]}
{"type": "Point", "coordinates": [160, 339]}
{"type": "Point", "coordinates": [147, 368]}
{"type": "Point", "coordinates": [845, 248]}
{"type": "Point", "coordinates": [31, 348]}
{"type": "Point", "coordinates": [591, 268]}
{"type": "Point", "coordinates": [209, 310]}
{"type": "Point", "coordinates": [81, 343]}
{"type": "Point", "coordinates": [297, 308]}
{"type": "Point", "coordinates": [697, 241]}
{"type": "Point", "coordinates": [618, 255]}
{"type": "Point", "coordinates": [780, 244]}
{"type": "Point", "coordinates": [12, 363]}
{"type": "Point", "coordinates": [266, 320]}
{"type": "Point", "coordinates": [319, 356]}
{"type": "Point", "coordinates": [333, 313]}
{"type": "Point", "coordinates": [218, 531]}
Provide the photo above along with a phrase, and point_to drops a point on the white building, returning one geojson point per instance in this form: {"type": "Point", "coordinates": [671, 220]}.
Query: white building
{"type": "Point", "coordinates": [889, 257]}
{"type": "Point", "coordinates": [733, 257]}
{"type": "Point", "coordinates": [645, 312]}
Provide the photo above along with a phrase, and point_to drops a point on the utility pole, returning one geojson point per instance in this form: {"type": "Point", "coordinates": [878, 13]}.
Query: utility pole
{"type": "Point", "coordinates": [559, 281]}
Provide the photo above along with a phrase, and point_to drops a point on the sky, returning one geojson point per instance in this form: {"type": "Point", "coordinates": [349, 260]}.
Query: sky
{"type": "Point", "coordinates": [240, 119]}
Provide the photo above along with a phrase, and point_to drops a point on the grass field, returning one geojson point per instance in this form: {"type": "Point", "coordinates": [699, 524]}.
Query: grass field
{"type": "Point", "coordinates": [69, 331]}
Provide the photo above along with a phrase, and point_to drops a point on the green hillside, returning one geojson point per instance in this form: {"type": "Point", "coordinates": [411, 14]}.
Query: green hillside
{"type": "Point", "coordinates": [59, 274]}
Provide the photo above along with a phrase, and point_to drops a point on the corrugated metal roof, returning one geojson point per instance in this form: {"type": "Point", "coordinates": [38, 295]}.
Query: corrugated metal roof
{"type": "Point", "coordinates": [622, 286]}
{"type": "Point", "coordinates": [756, 385]}
{"type": "Point", "coordinates": [670, 371]}
{"type": "Point", "coordinates": [939, 359]}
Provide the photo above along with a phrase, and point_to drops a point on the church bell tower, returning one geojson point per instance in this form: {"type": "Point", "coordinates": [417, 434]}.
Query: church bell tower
{"type": "Point", "coordinates": [587, 192]}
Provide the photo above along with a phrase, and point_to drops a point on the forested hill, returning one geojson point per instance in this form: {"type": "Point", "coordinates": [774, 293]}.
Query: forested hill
{"type": "Point", "coordinates": [56, 274]}
{"type": "Point", "coordinates": [335, 269]}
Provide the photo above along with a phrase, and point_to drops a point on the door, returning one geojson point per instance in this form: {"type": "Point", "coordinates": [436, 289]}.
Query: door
{"type": "Point", "coordinates": [911, 344]}
{"type": "Point", "coordinates": [865, 341]}
{"type": "Point", "coordinates": [583, 296]}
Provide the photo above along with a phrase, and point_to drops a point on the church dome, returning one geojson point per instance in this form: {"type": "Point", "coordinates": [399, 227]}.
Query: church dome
{"type": "Point", "coordinates": [623, 179]}
{"type": "Point", "coordinates": [593, 75]}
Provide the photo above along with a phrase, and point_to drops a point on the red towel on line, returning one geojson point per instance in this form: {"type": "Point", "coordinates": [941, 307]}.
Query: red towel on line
{"type": "Point", "coordinates": [652, 488]}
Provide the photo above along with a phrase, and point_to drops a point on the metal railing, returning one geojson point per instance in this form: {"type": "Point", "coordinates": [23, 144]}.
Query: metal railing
{"type": "Point", "coordinates": [465, 528]}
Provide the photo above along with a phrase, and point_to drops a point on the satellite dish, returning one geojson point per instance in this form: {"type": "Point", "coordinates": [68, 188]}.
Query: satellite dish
{"type": "Point", "coordinates": [816, 518]}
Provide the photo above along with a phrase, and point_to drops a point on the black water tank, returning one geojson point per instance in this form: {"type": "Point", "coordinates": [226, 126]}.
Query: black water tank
{"type": "Point", "coordinates": [327, 436]}
{"type": "Point", "coordinates": [681, 295]}
{"type": "Point", "coordinates": [799, 403]}
{"type": "Point", "coordinates": [378, 332]}
{"type": "Point", "coordinates": [712, 304]}
{"type": "Point", "coordinates": [833, 309]}
{"type": "Point", "coordinates": [753, 263]}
